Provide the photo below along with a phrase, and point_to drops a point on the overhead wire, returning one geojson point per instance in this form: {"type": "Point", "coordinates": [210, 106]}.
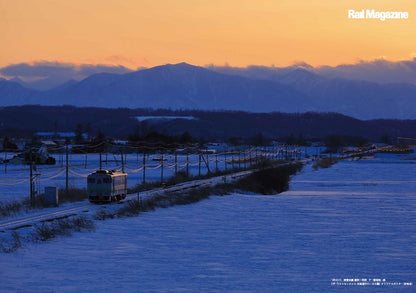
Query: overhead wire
{"type": "Point", "coordinates": [52, 177]}
{"type": "Point", "coordinates": [171, 160]}
{"type": "Point", "coordinates": [15, 183]}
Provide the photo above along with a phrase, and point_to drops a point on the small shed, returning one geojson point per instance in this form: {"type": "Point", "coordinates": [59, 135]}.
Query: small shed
{"type": "Point", "coordinates": [51, 195]}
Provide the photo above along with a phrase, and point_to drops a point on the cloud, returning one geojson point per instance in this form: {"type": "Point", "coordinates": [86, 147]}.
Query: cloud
{"type": "Point", "coordinates": [378, 70]}
{"type": "Point", "coordinates": [88, 69]}
{"type": "Point", "coordinates": [302, 64]}
{"type": "Point", "coordinates": [38, 69]}
{"type": "Point", "coordinates": [46, 69]}
{"type": "Point", "coordinates": [45, 74]}
{"type": "Point", "coordinates": [138, 63]}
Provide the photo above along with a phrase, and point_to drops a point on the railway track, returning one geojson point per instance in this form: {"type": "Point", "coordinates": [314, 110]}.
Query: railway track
{"type": "Point", "coordinates": [30, 219]}
{"type": "Point", "coordinates": [33, 218]}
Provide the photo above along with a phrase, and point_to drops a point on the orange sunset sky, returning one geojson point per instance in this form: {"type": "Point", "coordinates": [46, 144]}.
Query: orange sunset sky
{"type": "Point", "coordinates": [145, 33]}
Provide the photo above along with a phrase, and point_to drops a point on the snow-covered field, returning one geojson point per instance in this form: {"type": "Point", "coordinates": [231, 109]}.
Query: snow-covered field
{"type": "Point", "coordinates": [14, 179]}
{"type": "Point", "coordinates": [355, 220]}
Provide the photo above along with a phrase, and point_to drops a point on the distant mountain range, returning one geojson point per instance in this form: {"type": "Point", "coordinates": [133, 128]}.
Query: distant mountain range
{"type": "Point", "coordinates": [183, 86]}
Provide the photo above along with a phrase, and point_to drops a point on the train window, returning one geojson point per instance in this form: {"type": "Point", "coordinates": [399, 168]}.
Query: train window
{"type": "Point", "coordinates": [91, 180]}
{"type": "Point", "coordinates": [107, 180]}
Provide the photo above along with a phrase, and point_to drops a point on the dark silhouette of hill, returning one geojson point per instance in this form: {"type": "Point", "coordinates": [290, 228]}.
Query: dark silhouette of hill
{"type": "Point", "coordinates": [207, 124]}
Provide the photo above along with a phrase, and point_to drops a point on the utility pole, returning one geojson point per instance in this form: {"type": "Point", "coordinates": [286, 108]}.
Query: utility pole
{"type": "Point", "coordinates": [66, 168]}
{"type": "Point", "coordinates": [187, 164]}
{"type": "Point", "coordinates": [207, 163]}
{"type": "Point", "coordinates": [144, 168]}
{"type": "Point", "coordinates": [225, 160]}
{"type": "Point", "coordinates": [161, 171]}
{"type": "Point", "coordinates": [286, 154]}
{"type": "Point", "coordinates": [122, 162]}
{"type": "Point", "coordinates": [199, 165]}
{"type": "Point", "coordinates": [32, 199]}
{"type": "Point", "coordinates": [5, 162]}
{"type": "Point", "coordinates": [176, 163]}
{"type": "Point", "coordinates": [101, 165]}
{"type": "Point", "coordinates": [125, 159]}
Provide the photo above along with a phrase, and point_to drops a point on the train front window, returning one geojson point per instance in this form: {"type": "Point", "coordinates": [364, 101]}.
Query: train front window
{"type": "Point", "coordinates": [91, 180]}
{"type": "Point", "coordinates": [107, 180]}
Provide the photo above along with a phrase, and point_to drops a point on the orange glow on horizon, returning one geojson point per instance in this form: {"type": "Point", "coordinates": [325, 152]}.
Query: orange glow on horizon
{"type": "Point", "coordinates": [147, 33]}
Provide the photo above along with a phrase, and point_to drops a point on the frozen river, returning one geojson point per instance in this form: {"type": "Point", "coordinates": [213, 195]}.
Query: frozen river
{"type": "Point", "coordinates": [353, 221]}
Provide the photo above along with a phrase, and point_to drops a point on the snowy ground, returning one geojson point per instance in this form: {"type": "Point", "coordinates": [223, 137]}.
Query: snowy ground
{"type": "Point", "coordinates": [14, 179]}
{"type": "Point", "coordinates": [353, 220]}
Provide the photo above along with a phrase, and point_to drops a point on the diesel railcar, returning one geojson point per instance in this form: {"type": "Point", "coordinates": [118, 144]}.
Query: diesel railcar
{"type": "Point", "coordinates": [104, 186]}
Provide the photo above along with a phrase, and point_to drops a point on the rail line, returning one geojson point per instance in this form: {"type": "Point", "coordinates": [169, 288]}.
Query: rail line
{"type": "Point", "coordinates": [85, 207]}
{"type": "Point", "coordinates": [30, 219]}
{"type": "Point", "coordinates": [27, 220]}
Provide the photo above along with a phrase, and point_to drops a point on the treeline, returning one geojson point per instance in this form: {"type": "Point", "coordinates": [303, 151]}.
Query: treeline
{"type": "Point", "coordinates": [234, 126]}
